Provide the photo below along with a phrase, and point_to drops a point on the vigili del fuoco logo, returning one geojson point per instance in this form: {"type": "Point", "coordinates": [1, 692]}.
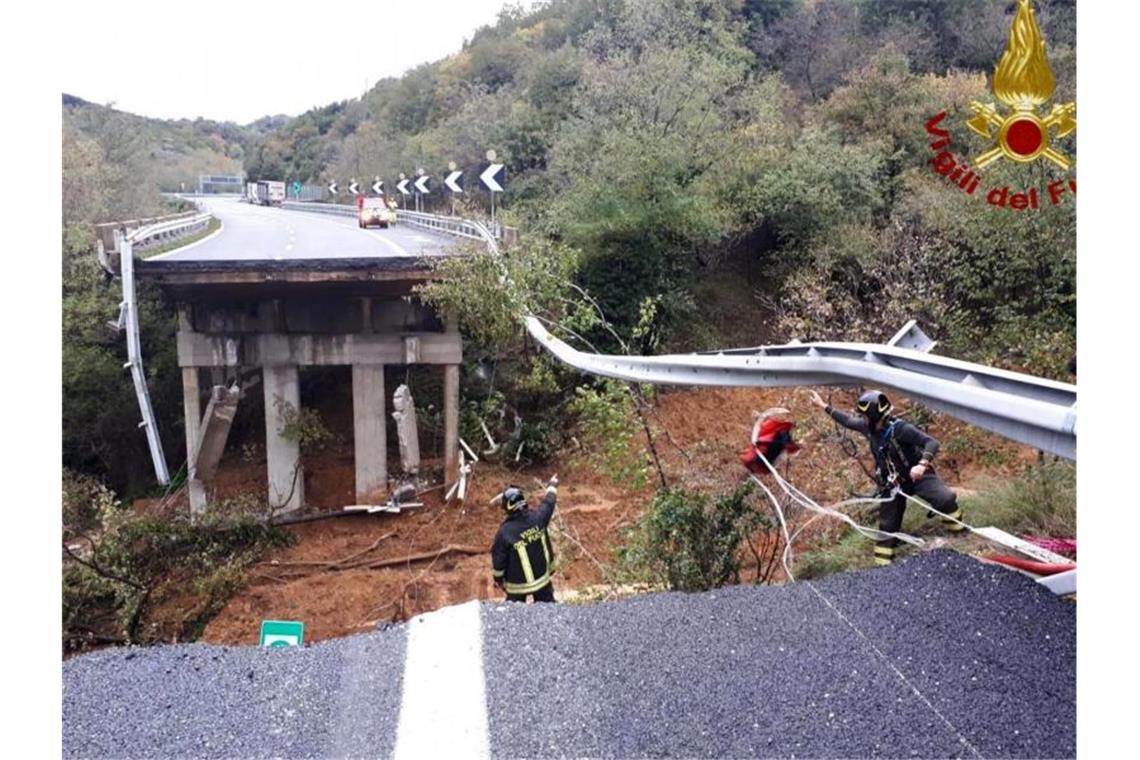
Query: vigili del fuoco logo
{"type": "Point", "coordinates": [1023, 82]}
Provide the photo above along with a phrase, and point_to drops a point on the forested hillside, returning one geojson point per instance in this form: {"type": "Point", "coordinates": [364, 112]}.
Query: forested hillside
{"type": "Point", "coordinates": [711, 173]}
{"type": "Point", "coordinates": [685, 175]}
{"type": "Point", "coordinates": [678, 146]}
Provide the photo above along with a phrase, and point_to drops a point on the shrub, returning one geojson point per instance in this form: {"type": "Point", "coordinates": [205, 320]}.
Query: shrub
{"type": "Point", "coordinates": [304, 426]}
{"type": "Point", "coordinates": [606, 421]}
{"type": "Point", "coordinates": [688, 542]}
{"type": "Point", "coordinates": [129, 563]}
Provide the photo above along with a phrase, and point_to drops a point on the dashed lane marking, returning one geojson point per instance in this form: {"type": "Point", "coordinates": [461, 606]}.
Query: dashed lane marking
{"type": "Point", "coordinates": [443, 712]}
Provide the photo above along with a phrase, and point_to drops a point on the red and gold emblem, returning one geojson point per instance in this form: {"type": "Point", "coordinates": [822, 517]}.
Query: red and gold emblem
{"type": "Point", "coordinates": [1023, 81]}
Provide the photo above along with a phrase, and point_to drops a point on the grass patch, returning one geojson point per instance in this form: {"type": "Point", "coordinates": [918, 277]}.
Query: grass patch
{"type": "Point", "coordinates": [1040, 501]}
{"type": "Point", "coordinates": [213, 226]}
{"type": "Point", "coordinates": [851, 552]}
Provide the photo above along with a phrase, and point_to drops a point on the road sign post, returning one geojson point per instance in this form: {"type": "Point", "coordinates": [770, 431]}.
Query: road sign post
{"type": "Point", "coordinates": [423, 187]}
{"type": "Point", "coordinates": [402, 186]}
{"type": "Point", "coordinates": [282, 633]}
{"type": "Point", "coordinates": [493, 178]}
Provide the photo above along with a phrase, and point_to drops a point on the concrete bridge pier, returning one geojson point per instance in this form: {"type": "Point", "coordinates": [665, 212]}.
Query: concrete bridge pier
{"type": "Point", "coordinates": [282, 452]}
{"type": "Point", "coordinates": [369, 433]}
{"type": "Point", "coordinates": [192, 410]}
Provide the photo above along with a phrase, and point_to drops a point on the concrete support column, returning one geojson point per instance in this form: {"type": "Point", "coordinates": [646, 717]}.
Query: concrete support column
{"type": "Point", "coordinates": [451, 422]}
{"type": "Point", "coordinates": [192, 409]}
{"type": "Point", "coordinates": [370, 448]}
{"type": "Point", "coordinates": [283, 456]}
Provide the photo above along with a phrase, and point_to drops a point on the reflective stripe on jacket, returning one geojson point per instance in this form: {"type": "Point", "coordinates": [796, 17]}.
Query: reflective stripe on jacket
{"type": "Point", "coordinates": [522, 555]}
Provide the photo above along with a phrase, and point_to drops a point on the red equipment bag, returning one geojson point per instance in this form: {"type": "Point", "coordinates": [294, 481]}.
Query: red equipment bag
{"type": "Point", "coordinates": [775, 438]}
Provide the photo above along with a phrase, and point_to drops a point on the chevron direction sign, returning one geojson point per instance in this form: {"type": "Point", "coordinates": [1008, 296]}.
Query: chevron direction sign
{"type": "Point", "coordinates": [454, 181]}
{"type": "Point", "coordinates": [494, 177]}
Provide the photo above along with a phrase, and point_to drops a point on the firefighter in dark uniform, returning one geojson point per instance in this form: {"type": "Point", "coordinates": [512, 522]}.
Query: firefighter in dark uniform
{"type": "Point", "coordinates": [521, 555]}
{"type": "Point", "coordinates": [903, 456]}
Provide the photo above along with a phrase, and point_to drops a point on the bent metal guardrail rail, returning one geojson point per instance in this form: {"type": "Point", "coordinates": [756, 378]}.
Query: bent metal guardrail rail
{"type": "Point", "coordinates": [1031, 410]}
{"type": "Point", "coordinates": [128, 318]}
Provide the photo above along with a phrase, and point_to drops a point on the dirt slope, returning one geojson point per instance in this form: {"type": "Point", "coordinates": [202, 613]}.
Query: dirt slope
{"type": "Point", "coordinates": [698, 433]}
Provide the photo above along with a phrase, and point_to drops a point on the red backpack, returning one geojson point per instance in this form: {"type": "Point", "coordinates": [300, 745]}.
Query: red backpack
{"type": "Point", "coordinates": [775, 438]}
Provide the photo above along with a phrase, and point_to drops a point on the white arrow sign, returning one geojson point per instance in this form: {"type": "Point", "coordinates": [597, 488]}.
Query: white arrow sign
{"type": "Point", "coordinates": [402, 186]}
{"type": "Point", "coordinates": [454, 181]}
{"type": "Point", "coordinates": [378, 186]}
{"type": "Point", "coordinates": [332, 188]}
{"type": "Point", "coordinates": [422, 184]}
{"type": "Point", "coordinates": [352, 188]}
{"type": "Point", "coordinates": [493, 177]}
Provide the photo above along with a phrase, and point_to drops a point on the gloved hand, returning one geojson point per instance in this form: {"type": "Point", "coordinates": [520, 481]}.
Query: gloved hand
{"type": "Point", "coordinates": [552, 483]}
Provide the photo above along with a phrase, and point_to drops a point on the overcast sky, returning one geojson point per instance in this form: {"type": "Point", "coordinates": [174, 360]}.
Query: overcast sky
{"type": "Point", "coordinates": [240, 60]}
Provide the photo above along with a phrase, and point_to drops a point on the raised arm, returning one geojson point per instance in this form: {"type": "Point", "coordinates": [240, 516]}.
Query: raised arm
{"type": "Point", "coordinates": [851, 422]}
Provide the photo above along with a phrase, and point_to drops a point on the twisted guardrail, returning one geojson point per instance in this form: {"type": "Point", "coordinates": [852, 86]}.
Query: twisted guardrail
{"type": "Point", "coordinates": [125, 242]}
{"type": "Point", "coordinates": [1024, 408]}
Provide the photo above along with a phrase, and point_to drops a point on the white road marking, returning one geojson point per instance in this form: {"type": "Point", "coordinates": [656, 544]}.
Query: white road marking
{"type": "Point", "coordinates": [208, 238]}
{"type": "Point", "coordinates": [443, 711]}
{"type": "Point", "coordinates": [961, 737]}
{"type": "Point", "coordinates": [399, 249]}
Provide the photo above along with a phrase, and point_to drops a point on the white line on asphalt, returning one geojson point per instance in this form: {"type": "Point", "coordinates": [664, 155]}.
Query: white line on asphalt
{"type": "Point", "coordinates": [961, 737]}
{"type": "Point", "coordinates": [443, 712]}
{"type": "Point", "coordinates": [399, 249]}
{"type": "Point", "coordinates": [195, 244]}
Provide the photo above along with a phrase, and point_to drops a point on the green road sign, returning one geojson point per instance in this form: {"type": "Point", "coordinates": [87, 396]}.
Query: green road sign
{"type": "Point", "coordinates": [297, 189]}
{"type": "Point", "coordinates": [282, 633]}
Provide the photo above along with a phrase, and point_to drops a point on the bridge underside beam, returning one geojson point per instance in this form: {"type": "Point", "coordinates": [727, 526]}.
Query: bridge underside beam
{"type": "Point", "coordinates": [279, 349]}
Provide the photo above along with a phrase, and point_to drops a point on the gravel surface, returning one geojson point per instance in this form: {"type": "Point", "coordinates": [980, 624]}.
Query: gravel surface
{"type": "Point", "coordinates": [333, 699]}
{"type": "Point", "coordinates": [938, 656]}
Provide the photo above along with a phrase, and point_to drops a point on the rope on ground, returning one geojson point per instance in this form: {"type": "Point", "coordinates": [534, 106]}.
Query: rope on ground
{"type": "Point", "coordinates": [806, 502]}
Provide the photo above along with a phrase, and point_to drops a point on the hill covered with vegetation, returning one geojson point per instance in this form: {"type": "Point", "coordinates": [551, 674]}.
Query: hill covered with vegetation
{"type": "Point", "coordinates": [712, 173]}
{"type": "Point", "coordinates": [685, 148]}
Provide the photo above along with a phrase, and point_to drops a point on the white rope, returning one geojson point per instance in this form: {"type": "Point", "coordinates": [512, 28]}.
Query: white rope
{"type": "Point", "coordinates": [811, 505]}
{"type": "Point", "coordinates": [944, 516]}
{"type": "Point", "coordinates": [805, 501]}
{"type": "Point", "coordinates": [783, 525]}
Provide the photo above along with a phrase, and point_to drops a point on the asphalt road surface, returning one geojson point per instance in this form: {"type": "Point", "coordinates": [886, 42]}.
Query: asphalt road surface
{"type": "Point", "coordinates": [252, 232]}
{"type": "Point", "coordinates": [938, 656]}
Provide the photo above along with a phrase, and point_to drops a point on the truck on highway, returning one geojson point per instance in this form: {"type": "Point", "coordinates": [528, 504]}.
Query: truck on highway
{"type": "Point", "coordinates": [250, 192]}
{"type": "Point", "coordinates": [270, 193]}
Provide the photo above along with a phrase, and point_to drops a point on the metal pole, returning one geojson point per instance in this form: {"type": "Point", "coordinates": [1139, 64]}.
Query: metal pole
{"type": "Point", "coordinates": [134, 356]}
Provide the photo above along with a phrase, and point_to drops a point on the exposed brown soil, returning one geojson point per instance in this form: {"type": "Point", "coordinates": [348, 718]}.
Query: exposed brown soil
{"type": "Point", "coordinates": [324, 579]}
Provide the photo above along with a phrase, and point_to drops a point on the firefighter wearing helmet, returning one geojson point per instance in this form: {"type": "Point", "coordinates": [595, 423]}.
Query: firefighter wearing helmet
{"type": "Point", "coordinates": [903, 456]}
{"type": "Point", "coordinates": [521, 555]}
